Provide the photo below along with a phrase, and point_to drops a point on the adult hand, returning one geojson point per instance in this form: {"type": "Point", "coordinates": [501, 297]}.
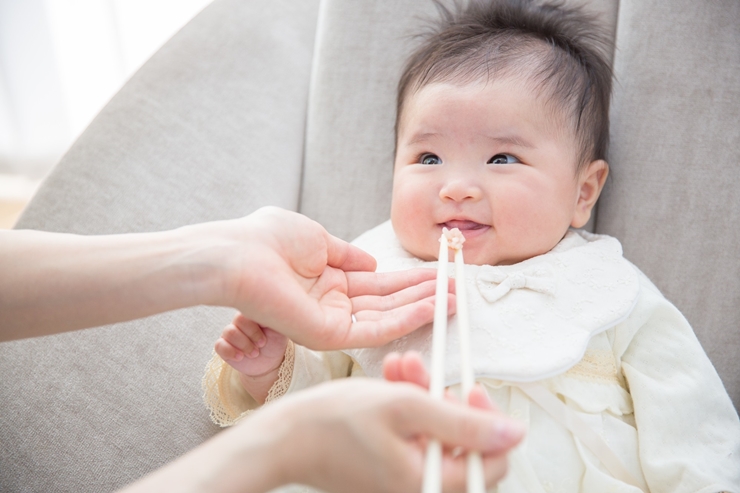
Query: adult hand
{"type": "Point", "coordinates": [370, 436]}
{"type": "Point", "coordinates": [357, 435]}
{"type": "Point", "coordinates": [289, 274]}
{"type": "Point", "coordinates": [409, 367]}
{"type": "Point", "coordinates": [279, 268]}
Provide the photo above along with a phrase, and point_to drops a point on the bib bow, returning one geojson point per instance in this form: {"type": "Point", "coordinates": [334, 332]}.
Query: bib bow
{"type": "Point", "coordinates": [494, 283]}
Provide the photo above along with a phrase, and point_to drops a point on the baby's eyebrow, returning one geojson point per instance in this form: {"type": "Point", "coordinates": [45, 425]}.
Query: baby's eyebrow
{"type": "Point", "coordinates": [422, 137]}
{"type": "Point", "coordinates": [515, 141]}
{"type": "Point", "coordinates": [506, 140]}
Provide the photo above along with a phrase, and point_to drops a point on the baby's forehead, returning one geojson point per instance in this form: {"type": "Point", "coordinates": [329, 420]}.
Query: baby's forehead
{"type": "Point", "coordinates": [509, 94]}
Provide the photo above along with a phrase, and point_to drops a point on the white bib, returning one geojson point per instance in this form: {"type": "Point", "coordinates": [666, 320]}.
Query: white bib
{"type": "Point", "coordinates": [528, 321]}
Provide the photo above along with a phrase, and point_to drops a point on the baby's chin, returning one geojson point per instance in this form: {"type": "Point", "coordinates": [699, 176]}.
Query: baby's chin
{"type": "Point", "coordinates": [429, 253]}
{"type": "Point", "coordinates": [473, 257]}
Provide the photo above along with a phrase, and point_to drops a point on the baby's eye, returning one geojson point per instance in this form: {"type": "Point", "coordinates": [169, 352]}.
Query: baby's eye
{"type": "Point", "coordinates": [503, 159]}
{"type": "Point", "coordinates": [428, 158]}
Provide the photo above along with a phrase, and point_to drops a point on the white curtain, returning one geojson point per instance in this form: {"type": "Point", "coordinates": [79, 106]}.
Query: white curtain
{"type": "Point", "coordinates": [62, 60]}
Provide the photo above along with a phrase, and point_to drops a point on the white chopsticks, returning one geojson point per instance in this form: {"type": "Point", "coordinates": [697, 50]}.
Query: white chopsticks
{"type": "Point", "coordinates": [433, 464]}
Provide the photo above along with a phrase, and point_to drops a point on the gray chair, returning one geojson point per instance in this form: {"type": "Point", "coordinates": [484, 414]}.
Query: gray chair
{"type": "Point", "coordinates": [291, 103]}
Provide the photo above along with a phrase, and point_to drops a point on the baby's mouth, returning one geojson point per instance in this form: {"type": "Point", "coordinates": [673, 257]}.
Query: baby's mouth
{"type": "Point", "coordinates": [463, 225]}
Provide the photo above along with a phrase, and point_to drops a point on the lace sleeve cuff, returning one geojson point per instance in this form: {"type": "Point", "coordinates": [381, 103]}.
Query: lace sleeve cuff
{"type": "Point", "coordinates": [285, 375]}
{"type": "Point", "coordinates": [225, 397]}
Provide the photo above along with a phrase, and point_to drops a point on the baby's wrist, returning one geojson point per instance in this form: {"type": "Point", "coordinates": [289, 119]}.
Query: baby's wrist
{"type": "Point", "coordinates": [273, 384]}
{"type": "Point", "coordinates": [259, 386]}
{"type": "Point", "coordinates": [262, 375]}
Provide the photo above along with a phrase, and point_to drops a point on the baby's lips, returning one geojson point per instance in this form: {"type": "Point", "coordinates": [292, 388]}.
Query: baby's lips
{"type": "Point", "coordinates": [462, 224]}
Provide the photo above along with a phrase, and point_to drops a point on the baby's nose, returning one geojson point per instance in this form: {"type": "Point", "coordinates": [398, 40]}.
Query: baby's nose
{"type": "Point", "coordinates": [460, 190]}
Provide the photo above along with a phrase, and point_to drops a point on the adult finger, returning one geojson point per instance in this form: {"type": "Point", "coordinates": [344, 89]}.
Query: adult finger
{"type": "Point", "coordinates": [456, 425]}
{"type": "Point", "coordinates": [374, 328]}
{"type": "Point", "coordinates": [347, 257]}
{"type": "Point", "coordinates": [392, 367]}
{"type": "Point", "coordinates": [479, 398]}
{"type": "Point", "coordinates": [385, 283]}
{"type": "Point", "coordinates": [413, 369]}
{"type": "Point", "coordinates": [406, 367]}
{"type": "Point", "coordinates": [396, 299]}
{"type": "Point", "coordinates": [385, 319]}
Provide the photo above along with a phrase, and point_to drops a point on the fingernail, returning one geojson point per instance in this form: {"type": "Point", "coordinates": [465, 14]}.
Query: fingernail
{"type": "Point", "coordinates": [261, 342]}
{"type": "Point", "coordinates": [255, 352]}
{"type": "Point", "coordinates": [507, 432]}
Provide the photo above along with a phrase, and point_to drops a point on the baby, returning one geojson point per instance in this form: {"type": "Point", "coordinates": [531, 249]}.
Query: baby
{"type": "Point", "coordinates": [502, 131]}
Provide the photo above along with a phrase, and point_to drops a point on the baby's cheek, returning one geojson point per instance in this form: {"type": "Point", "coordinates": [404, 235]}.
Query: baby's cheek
{"type": "Point", "coordinates": [419, 243]}
{"type": "Point", "coordinates": [405, 234]}
{"type": "Point", "coordinates": [402, 212]}
{"type": "Point", "coordinates": [411, 216]}
{"type": "Point", "coordinates": [417, 249]}
{"type": "Point", "coordinates": [402, 228]}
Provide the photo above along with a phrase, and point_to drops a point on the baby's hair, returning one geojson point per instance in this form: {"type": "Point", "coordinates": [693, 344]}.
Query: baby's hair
{"type": "Point", "coordinates": [560, 50]}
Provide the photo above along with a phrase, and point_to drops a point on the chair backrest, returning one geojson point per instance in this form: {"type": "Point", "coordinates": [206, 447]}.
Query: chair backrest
{"type": "Point", "coordinates": [674, 197]}
{"type": "Point", "coordinates": [242, 109]}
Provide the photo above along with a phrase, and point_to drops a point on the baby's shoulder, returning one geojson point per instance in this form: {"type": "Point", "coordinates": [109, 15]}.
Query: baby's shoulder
{"type": "Point", "coordinates": [596, 246]}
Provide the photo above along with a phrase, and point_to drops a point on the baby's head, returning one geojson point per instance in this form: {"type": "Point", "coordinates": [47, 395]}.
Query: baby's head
{"type": "Point", "coordinates": [501, 131]}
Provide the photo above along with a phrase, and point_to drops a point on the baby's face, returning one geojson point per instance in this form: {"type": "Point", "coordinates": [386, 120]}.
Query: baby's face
{"type": "Point", "coordinates": [489, 159]}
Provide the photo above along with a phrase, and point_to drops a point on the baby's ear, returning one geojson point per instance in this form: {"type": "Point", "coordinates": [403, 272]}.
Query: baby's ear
{"type": "Point", "coordinates": [590, 183]}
